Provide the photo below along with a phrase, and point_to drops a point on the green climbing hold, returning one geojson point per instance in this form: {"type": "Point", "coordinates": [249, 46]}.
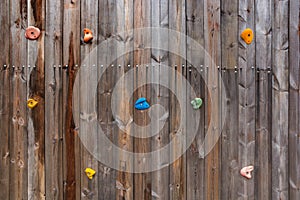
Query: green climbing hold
{"type": "Point", "coordinates": [196, 103]}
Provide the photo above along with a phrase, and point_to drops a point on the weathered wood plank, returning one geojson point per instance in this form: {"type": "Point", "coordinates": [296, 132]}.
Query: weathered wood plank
{"type": "Point", "coordinates": [229, 146]}
{"type": "Point", "coordinates": [89, 19]}
{"type": "Point", "coordinates": [18, 106]}
{"type": "Point", "coordinates": [263, 34]}
{"type": "Point", "coordinates": [247, 97]}
{"type": "Point", "coordinates": [160, 95]}
{"type": "Point", "coordinates": [71, 60]}
{"type": "Point", "coordinates": [124, 180]}
{"type": "Point", "coordinates": [177, 103]}
{"type": "Point", "coordinates": [36, 90]}
{"type": "Point", "coordinates": [212, 46]}
{"type": "Point", "coordinates": [280, 98]}
{"type": "Point", "coordinates": [294, 101]}
{"type": "Point", "coordinates": [195, 30]}
{"type": "Point", "coordinates": [5, 113]}
{"type": "Point", "coordinates": [53, 101]}
{"type": "Point", "coordinates": [141, 57]}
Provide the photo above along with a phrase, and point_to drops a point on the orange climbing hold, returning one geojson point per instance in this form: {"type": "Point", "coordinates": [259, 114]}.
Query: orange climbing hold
{"type": "Point", "coordinates": [88, 35]}
{"type": "Point", "coordinates": [247, 35]}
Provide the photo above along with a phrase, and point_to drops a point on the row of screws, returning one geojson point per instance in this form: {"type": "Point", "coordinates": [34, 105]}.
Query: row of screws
{"type": "Point", "coordinates": [190, 67]}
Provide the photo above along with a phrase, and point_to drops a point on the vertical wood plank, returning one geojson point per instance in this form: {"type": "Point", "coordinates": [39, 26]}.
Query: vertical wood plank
{"type": "Point", "coordinates": [53, 101]}
{"type": "Point", "coordinates": [5, 113]}
{"type": "Point", "coordinates": [177, 13]}
{"type": "Point", "coordinates": [36, 116]}
{"type": "Point", "coordinates": [18, 125]}
{"type": "Point", "coordinates": [263, 41]}
{"type": "Point", "coordinates": [229, 146]}
{"type": "Point", "coordinates": [195, 30]}
{"type": "Point", "coordinates": [212, 46]}
{"type": "Point", "coordinates": [160, 95]}
{"type": "Point", "coordinates": [141, 56]}
{"type": "Point", "coordinates": [124, 180]}
{"type": "Point", "coordinates": [89, 13]}
{"type": "Point", "coordinates": [280, 104]}
{"type": "Point", "coordinates": [294, 101]}
{"type": "Point", "coordinates": [71, 60]}
{"type": "Point", "coordinates": [107, 29]}
{"type": "Point", "coordinates": [246, 99]}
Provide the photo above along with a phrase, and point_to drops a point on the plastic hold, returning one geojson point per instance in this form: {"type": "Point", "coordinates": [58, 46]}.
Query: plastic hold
{"type": "Point", "coordinates": [90, 173]}
{"type": "Point", "coordinates": [31, 103]}
{"type": "Point", "coordinates": [88, 35]}
{"type": "Point", "coordinates": [32, 33]}
{"type": "Point", "coordinates": [196, 103]}
{"type": "Point", "coordinates": [246, 171]}
{"type": "Point", "coordinates": [247, 35]}
{"type": "Point", "coordinates": [142, 104]}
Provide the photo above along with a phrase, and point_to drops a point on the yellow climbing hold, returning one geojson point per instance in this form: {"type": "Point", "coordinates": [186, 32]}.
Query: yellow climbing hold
{"type": "Point", "coordinates": [31, 103]}
{"type": "Point", "coordinates": [247, 35]}
{"type": "Point", "coordinates": [90, 173]}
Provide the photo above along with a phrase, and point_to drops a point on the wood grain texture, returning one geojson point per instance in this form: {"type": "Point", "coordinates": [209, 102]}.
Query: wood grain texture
{"type": "Point", "coordinates": [36, 116]}
{"type": "Point", "coordinates": [247, 97]}
{"type": "Point", "coordinates": [212, 46]}
{"type": "Point", "coordinates": [263, 58]}
{"type": "Point", "coordinates": [89, 187]}
{"type": "Point", "coordinates": [195, 75]}
{"type": "Point", "coordinates": [280, 103]}
{"type": "Point", "coordinates": [229, 144]}
{"type": "Point", "coordinates": [71, 60]}
{"type": "Point", "coordinates": [160, 95]}
{"type": "Point", "coordinates": [18, 105]}
{"type": "Point", "coordinates": [5, 113]}
{"type": "Point", "coordinates": [141, 57]}
{"type": "Point", "coordinates": [53, 101]}
{"type": "Point", "coordinates": [294, 101]}
{"type": "Point", "coordinates": [124, 180]}
{"type": "Point", "coordinates": [177, 13]}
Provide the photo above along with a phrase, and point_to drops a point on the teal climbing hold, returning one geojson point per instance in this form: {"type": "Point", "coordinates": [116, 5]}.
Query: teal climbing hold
{"type": "Point", "coordinates": [142, 104]}
{"type": "Point", "coordinates": [196, 103]}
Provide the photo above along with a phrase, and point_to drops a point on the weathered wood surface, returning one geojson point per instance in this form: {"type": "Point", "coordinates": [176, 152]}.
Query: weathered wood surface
{"type": "Point", "coordinates": [41, 154]}
{"type": "Point", "coordinates": [229, 142]}
{"type": "Point", "coordinates": [212, 10]}
{"type": "Point", "coordinates": [160, 95]}
{"type": "Point", "coordinates": [5, 115]}
{"type": "Point", "coordinates": [53, 101]}
{"type": "Point", "coordinates": [124, 180]}
{"type": "Point", "coordinates": [280, 101]}
{"type": "Point", "coordinates": [195, 75]}
{"type": "Point", "coordinates": [36, 90]}
{"type": "Point", "coordinates": [294, 101]}
{"type": "Point", "coordinates": [18, 142]}
{"type": "Point", "coordinates": [263, 59]}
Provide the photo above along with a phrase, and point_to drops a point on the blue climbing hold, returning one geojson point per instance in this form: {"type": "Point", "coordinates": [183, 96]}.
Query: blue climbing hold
{"type": "Point", "coordinates": [142, 104]}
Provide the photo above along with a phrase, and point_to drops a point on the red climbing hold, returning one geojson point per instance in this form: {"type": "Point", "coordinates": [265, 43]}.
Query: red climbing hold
{"type": "Point", "coordinates": [32, 33]}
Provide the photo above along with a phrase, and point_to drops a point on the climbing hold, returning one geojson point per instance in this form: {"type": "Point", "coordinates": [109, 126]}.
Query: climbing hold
{"type": "Point", "coordinates": [196, 103]}
{"type": "Point", "coordinates": [142, 104]}
{"type": "Point", "coordinates": [88, 35]}
{"type": "Point", "coordinates": [247, 35]}
{"type": "Point", "coordinates": [32, 33]}
{"type": "Point", "coordinates": [90, 173]}
{"type": "Point", "coordinates": [31, 103]}
{"type": "Point", "coordinates": [246, 171]}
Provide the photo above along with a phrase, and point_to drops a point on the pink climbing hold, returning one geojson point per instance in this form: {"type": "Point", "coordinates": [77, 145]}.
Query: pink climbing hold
{"type": "Point", "coordinates": [246, 171]}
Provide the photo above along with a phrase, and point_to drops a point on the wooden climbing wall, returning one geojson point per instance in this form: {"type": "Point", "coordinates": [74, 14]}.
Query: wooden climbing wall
{"type": "Point", "coordinates": [41, 153]}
